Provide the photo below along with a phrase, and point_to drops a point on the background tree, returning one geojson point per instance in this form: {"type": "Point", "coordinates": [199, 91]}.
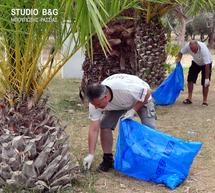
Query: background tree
{"type": "Point", "coordinates": [201, 25]}
{"type": "Point", "coordinates": [170, 22]}
{"type": "Point", "coordinates": [211, 39]}
{"type": "Point", "coordinates": [189, 32]}
{"type": "Point", "coordinates": [34, 153]}
{"type": "Point", "coordinates": [182, 14]}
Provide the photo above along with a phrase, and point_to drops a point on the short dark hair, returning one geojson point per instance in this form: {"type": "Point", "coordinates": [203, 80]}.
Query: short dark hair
{"type": "Point", "coordinates": [96, 91]}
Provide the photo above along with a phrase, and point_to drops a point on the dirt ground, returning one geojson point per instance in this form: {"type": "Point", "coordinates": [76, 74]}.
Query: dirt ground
{"type": "Point", "coordinates": [190, 122]}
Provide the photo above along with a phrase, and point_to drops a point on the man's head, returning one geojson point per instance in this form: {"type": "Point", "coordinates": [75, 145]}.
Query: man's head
{"type": "Point", "coordinates": [97, 94]}
{"type": "Point", "coordinates": [194, 46]}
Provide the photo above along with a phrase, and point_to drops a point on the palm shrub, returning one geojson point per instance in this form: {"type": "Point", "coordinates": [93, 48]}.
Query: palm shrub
{"type": "Point", "coordinates": [34, 150]}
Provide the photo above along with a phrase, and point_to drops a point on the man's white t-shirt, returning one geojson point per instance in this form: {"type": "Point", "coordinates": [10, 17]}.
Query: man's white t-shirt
{"type": "Point", "coordinates": [203, 55]}
{"type": "Point", "coordinates": [126, 89]}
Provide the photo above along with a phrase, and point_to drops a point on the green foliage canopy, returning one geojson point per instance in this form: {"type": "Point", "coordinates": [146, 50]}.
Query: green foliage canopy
{"type": "Point", "coordinates": [22, 43]}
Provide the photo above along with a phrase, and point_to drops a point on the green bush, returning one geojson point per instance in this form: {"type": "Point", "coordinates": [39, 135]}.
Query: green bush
{"type": "Point", "coordinates": [172, 49]}
{"type": "Point", "coordinates": [168, 67]}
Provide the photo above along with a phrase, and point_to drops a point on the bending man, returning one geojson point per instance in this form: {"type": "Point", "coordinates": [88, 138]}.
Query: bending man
{"type": "Point", "coordinates": [202, 61]}
{"type": "Point", "coordinates": [116, 95]}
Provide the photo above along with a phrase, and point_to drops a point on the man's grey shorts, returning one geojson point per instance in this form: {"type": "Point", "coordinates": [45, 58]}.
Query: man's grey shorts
{"type": "Point", "coordinates": [147, 115]}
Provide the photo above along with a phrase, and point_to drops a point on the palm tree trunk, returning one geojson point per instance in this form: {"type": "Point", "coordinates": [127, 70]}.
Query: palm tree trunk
{"type": "Point", "coordinates": [181, 37]}
{"type": "Point", "coordinates": [211, 40]}
{"type": "Point", "coordinates": [34, 149]}
{"type": "Point", "coordinates": [137, 48]}
{"type": "Point", "coordinates": [121, 59]}
{"type": "Point", "coordinates": [150, 43]}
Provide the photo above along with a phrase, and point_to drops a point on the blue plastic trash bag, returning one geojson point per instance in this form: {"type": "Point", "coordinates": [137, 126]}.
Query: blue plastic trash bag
{"type": "Point", "coordinates": [150, 155]}
{"type": "Point", "coordinates": [170, 88]}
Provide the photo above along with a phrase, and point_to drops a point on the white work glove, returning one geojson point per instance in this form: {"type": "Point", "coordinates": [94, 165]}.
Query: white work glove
{"type": "Point", "coordinates": [88, 161]}
{"type": "Point", "coordinates": [129, 114]}
{"type": "Point", "coordinates": [207, 82]}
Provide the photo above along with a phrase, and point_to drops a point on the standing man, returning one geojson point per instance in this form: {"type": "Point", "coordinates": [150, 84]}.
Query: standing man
{"type": "Point", "coordinates": [202, 61]}
{"type": "Point", "coordinates": [116, 95]}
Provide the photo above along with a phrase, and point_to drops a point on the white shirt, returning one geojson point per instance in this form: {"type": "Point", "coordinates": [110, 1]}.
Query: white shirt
{"type": "Point", "coordinates": [126, 89]}
{"type": "Point", "coordinates": [203, 55]}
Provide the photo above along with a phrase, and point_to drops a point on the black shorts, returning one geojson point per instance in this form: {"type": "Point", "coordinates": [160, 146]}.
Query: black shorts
{"type": "Point", "coordinates": [194, 71]}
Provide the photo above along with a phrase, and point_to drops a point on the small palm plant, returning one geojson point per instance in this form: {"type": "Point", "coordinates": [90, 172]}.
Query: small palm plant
{"type": "Point", "coordinates": [34, 151]}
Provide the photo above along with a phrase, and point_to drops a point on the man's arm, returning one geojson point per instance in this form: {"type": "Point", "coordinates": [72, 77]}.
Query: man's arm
{"type": "Point", "coordinates": [93, 136]}
{"type": "Point", "coordinates": [139, 104]}
{"type": "Point", "coordinates": [92, 140]}
{"type": "Point", "coordinates": [206, 60]}
{"type": "Point", "coordinates": [207, 71]}
{"type": "Point", "coordinates": [207, 80]}
{"type": "Point", "coordinates": [179, 57]}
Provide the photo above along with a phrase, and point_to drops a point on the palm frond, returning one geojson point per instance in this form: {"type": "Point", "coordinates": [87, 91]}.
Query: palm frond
{"type": "Point", "coordinates": [22, 44]}
{"type": "Point", "coordinates": [152, 8]}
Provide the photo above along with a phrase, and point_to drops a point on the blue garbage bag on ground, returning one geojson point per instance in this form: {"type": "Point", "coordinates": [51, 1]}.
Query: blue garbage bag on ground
{"type": "Point", "coordinates": [170, 88]}
{"type": "Point", "coordinates": [150, 155]}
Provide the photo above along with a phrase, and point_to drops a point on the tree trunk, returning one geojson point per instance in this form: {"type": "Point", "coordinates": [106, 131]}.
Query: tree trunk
{"type": "Point", "coordinates": [181, 36]}
{"type": "Point", "coordinates": [137, 48]}
{"type": "Point", "coordinates": [120, 34]}
{"type": "Point", "coordinates": [150, 43]}
{"type": "Point", "coordinates": [211, 40]}
{"type": "Point", "coordinates": [182, 29]}
{"type": "Point", "coordinates": [34, 149]}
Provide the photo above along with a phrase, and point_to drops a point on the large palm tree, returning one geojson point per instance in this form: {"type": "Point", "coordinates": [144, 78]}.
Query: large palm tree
{"type": "Point", "coordinates": [138, 44]}
{"type": "Point", "coordinates": [34, 153]}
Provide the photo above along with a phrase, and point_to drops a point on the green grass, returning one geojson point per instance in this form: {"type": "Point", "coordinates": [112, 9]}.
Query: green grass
{"type": "Point", "coordinates": [64, 97]}
{"type": "Point", "coordinates": [66, 105]}
{"type": "Point", "coordinates": [65, 102]}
